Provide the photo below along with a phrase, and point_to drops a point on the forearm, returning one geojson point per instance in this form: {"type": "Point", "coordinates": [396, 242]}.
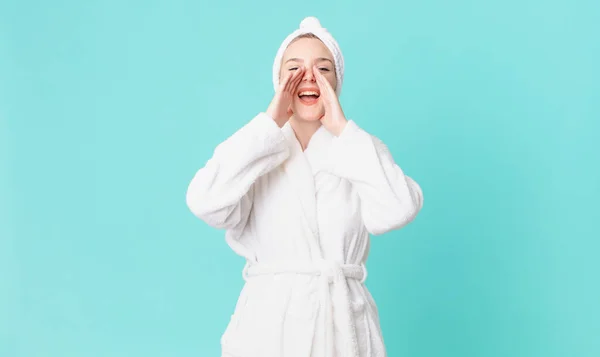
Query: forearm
{"type": "Point", "coordinates": [216, 192]}
{"type": "Point", "coordinates": [389, 198]}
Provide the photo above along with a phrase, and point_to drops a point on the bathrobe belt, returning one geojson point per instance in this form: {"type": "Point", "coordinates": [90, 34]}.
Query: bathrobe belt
{"type": "Point", "coordinates": [329, 273]}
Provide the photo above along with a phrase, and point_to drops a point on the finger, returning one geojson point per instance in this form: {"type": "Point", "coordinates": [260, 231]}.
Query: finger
{"type": "Point", "coordinates": [320, 79]}
{"type": "Point", "coordinates": [324, 84]}
{"type": "Point", "coordinates": [296, 81]}
{"type": "Point", "coordinates": [285, 82]}
{"type": "Point", "coordinates": [290, 83]}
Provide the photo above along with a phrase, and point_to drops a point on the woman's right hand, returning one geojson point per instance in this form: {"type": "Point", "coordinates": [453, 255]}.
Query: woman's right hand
{"type": "Point", "coordinates": [280, 109]}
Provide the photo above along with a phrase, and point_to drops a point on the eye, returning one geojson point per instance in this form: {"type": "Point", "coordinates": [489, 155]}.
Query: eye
{"type": "Point", "coordinates": [324, 69]}
{"type": "Point", "coordinates": [293, 69]}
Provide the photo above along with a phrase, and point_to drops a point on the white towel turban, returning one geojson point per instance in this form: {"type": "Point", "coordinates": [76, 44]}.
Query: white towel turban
{"type": "Point", "coordinates": [312, 25]}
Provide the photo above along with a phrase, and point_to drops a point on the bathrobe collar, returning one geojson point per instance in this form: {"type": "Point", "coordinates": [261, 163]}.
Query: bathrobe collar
{"type": "Point", "coordinates": [301, 167]}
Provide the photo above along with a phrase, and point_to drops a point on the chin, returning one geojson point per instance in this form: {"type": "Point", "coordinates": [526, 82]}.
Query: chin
{"type": "Point", "coordinates": [311, 118]}
{"type": "Point", "coordinates": [308, 113]}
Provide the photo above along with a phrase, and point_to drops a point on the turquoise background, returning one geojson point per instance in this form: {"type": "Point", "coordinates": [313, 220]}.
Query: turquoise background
{"type": "Point", "coordinates": [107, 109]}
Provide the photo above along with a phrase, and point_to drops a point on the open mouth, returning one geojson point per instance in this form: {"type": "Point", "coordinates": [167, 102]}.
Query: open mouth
{"type": "Point", "coordinates": [309, 96]}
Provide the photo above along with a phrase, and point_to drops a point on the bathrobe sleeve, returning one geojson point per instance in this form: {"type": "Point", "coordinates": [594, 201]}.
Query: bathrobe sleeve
{"type": "Point", "coordinates": [221, 193]}
{"type": "Point", "coordinates": [389, 199]}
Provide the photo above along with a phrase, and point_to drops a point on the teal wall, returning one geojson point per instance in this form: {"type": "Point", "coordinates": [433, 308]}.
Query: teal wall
{"type": "Point", "coordinates": [107, 109]}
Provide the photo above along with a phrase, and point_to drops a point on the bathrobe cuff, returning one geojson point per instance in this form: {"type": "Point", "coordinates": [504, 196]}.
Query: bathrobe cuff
{"type": "Point", "coordinates": [262, 131]}
{"type": "Point", "coordinates": [348, 151]}
{"type": "Point", "coordinates": [389, 199]}
{"type": "Point", "coordinates": [220, 192]}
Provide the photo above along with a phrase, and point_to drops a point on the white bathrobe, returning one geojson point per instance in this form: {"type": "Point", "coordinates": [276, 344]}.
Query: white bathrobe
{"type": "Point", "coordinates": [302, 220]}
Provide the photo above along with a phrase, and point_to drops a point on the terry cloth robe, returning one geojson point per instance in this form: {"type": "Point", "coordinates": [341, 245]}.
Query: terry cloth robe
{"type": "Point", "coordinates": [302, 220]}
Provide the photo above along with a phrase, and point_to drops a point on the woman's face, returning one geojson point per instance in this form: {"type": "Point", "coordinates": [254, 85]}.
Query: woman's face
{"type": "Point", "coordinates": [308, 52]}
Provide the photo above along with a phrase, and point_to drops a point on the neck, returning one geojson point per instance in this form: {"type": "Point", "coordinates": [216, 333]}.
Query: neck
{"type": "Point", "coordinates": [304, 130]}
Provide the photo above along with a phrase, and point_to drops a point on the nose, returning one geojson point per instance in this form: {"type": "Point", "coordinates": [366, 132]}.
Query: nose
{"type": "Point", "coordinates": [309, 76]}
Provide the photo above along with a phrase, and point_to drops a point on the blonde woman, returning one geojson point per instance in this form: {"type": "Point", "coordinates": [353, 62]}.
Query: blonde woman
{"type": "Point", "coordinates": [299, 190]}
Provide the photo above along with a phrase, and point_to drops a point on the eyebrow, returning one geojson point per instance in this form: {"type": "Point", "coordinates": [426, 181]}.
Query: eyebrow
{"type": "Point", "coordinates": [320, 59]}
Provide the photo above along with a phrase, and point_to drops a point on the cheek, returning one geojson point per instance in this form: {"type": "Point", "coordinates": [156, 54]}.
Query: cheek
{"type": "Point", "coordinates": [332, 80]}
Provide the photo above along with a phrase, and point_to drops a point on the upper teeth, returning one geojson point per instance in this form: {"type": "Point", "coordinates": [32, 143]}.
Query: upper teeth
{"type": "Point", "coordinates": [308, 93]}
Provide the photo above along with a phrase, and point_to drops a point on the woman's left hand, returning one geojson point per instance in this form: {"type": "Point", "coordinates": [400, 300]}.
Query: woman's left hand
{"type": "Point", "coordinates": [333, 119]}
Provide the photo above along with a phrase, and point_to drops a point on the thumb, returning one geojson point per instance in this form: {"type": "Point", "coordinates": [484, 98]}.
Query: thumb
{"type": "Point", "coordinates": [290, 111]}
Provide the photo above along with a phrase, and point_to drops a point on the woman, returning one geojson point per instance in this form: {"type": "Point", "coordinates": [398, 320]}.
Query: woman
{"type": "Point", "coordinates": [299, 189]}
